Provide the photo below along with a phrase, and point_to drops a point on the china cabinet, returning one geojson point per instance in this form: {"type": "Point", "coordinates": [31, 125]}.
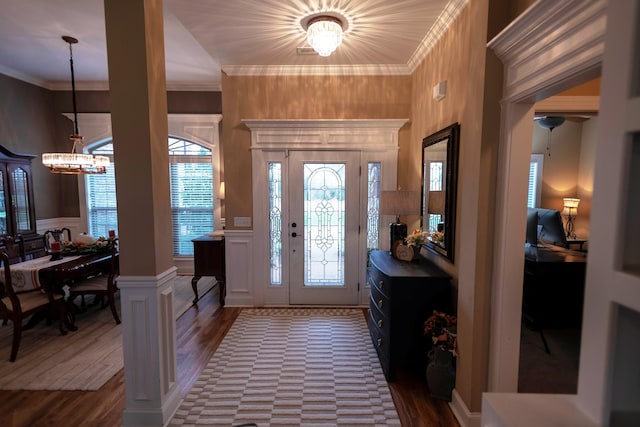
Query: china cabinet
{"type": "Point", "coordinates": [17, 209]}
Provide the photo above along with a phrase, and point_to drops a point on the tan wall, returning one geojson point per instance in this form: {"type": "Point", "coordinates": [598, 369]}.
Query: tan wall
{"type": "Point", "coordinates": [298, 97]}
{"type": "Point", "coordinates": [474, 87]}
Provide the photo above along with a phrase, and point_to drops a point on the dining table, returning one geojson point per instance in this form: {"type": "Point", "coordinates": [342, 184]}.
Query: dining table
{"type": "Point", "coordinates": [53, 274]}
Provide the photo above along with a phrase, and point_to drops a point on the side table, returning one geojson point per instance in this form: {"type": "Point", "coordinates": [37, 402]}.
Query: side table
{"type": "Point", "coordinates": [209, 260]}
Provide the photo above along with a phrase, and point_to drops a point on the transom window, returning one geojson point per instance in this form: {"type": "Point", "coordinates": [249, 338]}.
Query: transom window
{"type": "Point", "coordinates": [192, 198]}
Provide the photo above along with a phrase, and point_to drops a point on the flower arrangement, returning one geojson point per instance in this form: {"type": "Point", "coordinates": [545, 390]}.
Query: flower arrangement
{"type": "Point", "coordinates": [441, 327]}
{"type": "Point", "coordinates": [417, 238]}
{"type": "Point", "coordinates": [437, 236]}
{"type": "Point", "coordinates": [84, 244]}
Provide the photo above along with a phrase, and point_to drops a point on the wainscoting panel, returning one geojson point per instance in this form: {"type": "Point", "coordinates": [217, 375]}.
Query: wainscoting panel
{"type": "Point", "coordinates": [239, 268]}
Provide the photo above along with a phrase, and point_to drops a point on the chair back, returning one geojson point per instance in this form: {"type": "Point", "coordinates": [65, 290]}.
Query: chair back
{"type": "Point", "coordinates": [56, 235]}
{"type": "Point", "coordinates": [6, 287]}
{"type": "Point", "coordinates": [13, 247]}
{"type": "Point", "coordinates": [114, 268]}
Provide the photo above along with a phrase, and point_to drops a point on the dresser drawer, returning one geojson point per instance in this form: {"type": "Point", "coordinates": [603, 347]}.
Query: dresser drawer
{"type": "Point", "coordinates": [381, 344]}
{"type": "Point", "coordinates": [379, 281]}
{"type": "Point", "coordinates": [379, 319]}
{"type": "Point", "coordinates": [381, 301]}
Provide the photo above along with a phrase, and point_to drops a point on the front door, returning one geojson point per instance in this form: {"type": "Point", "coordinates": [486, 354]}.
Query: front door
{"type": "Point", "coordinates": [323, 227]}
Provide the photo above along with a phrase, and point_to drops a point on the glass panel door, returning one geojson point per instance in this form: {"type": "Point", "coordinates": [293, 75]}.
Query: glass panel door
{"type": "Point", "coordinates": [3, 207]}
{"type": "Point", "coordinates": [323, 229]}
{"type": "Point", "coordinates": [21, 208]}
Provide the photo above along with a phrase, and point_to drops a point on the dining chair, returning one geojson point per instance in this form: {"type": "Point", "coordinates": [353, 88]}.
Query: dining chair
{"type": "Point", "coordinates": [57, 235]}
{"type": "Point", "coordinates": [19, 305]}
{"type": "Point", "coordinates": [13, 247]}
{"type": "Point", "coordinates": [101, 286]}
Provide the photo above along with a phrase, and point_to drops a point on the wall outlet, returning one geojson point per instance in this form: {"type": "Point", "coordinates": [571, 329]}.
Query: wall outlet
{"type": "Point", "coordinates": [242, 221]}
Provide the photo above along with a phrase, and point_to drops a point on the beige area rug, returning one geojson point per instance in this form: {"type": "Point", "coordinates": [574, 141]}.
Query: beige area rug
{"type": "Point", "coordinates": [81, 360]}
{"type": "Point", "coordinates": [292, 367]}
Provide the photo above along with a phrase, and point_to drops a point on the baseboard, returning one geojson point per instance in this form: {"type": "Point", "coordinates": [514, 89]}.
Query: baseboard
{"type": "Point", "coordinates": [465, 417]}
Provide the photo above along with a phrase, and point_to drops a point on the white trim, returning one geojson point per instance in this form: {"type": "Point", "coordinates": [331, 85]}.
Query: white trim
{"type": "Point", "coordinates": [72, 223]}
{"type": "Point", "coordinates": [438, 29]}
{"type": "Point", "coordinates": [200, 128]}
{"type": "Point", "coordinates": [460, 410]}
{"type": "Point", "coordinates": [318, 70]}
{"type": "Point", "coordinates": [533, 47]}
{"type": "Point", "coordinates": [551, 44]}
{"type": "Point", "coordinates": [148, 334]}
{"type": "Point", "coordinates": [549, 48]}
{"type": "Point", "coordinates": [271, 140]}
{"type": "Point", "coordinates": [240, 278]}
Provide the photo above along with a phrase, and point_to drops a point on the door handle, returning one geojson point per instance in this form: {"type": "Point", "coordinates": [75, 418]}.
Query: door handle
{"type": "Point", "coordinates": [294, 234]}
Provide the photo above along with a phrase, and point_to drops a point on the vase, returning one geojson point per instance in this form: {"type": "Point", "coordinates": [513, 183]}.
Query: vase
{"type": "Point", "coordinates": [416, 252]}
{"type": "Point", "coordinates": [441, 373]}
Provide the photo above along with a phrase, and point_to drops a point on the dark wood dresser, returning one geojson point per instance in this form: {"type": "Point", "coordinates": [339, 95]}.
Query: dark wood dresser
{"type": "Point", "coordinates": [403, 295]}
{"type": "Point", "coordinates": [209, 260]}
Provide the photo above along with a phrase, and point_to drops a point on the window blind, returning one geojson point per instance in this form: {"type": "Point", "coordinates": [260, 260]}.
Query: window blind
{"type": "Point", "coordinates": [191, 187]}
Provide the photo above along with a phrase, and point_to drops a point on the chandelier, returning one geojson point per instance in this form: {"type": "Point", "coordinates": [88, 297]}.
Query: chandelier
{"type": "Point", "coordinates": [324, 34]}
{"type": "Point", "coordinates": [74, 162]}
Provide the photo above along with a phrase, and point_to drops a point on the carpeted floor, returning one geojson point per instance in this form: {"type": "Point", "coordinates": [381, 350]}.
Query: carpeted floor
{"type": "Point", "coordinates": [292, 367]}
{"type": "Point", "coordinates": [81, 360]}
{"type": "Point", "coordinates": [556, 372]}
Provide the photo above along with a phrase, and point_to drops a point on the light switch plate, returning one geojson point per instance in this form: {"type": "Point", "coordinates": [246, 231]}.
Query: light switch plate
{"type": "Point", "coordinates": [242, 221]}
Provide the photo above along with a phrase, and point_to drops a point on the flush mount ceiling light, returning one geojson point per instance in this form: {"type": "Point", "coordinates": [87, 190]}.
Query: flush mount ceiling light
{"type": "Point", "coordinates": [324, 33]}
{"type": "Point", "coordinates": [73, 162]}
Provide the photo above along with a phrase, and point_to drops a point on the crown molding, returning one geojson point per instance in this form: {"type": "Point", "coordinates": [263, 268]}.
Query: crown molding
{"type": "Point", "coordinates": [437, 30]}
{"type": "Point", "coordinates": [555, 39]}
{"type": "Point", "coordinates": [317, 70]}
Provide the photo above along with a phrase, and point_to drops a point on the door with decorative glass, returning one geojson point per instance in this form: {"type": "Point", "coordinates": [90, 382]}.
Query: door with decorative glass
{"type": "Point", "coordinates": [323, 227]}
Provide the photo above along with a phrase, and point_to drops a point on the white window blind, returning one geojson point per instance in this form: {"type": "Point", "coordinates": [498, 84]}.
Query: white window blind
{"type": "Point", "coordinates": [101, 196]}
{"type": "Point", "coordinates": [535, 180]}
{"type": "Point", "coordinates": [191, 177]}
{"type": "Point", "coordinates": [191, 186]}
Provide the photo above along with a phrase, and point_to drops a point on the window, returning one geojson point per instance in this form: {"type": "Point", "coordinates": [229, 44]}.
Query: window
{"type": "Point", "coordinates": [275, 221]}
{"type": "Point", "coordinates": [191, 185]}
{"type": "Point", "coordinates": [535, 180]}
{"type": "Point", "coordinates": [373, 204]}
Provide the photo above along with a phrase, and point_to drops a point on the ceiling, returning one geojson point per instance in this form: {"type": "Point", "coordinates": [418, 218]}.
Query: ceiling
{"type": "Point", "coordinates": [204, 37]}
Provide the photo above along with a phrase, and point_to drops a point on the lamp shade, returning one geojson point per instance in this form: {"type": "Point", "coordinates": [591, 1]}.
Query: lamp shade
{"type": "Point", "coordinates": [221, 191]}
{"type": "Point", "coordinates": [400, 203]}
{"type": "Point", "coordinates": [570, 206]}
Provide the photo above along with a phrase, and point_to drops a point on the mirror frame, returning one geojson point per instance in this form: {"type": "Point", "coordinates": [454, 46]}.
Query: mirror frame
{"type": "Point", "coordinates": [451, 134]}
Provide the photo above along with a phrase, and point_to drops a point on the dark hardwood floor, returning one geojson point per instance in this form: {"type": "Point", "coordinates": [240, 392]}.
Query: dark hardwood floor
{"type": "Point", "coordinates": [199, 332]}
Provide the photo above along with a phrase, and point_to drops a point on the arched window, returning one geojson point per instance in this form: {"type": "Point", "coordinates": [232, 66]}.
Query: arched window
{"type": "Point", "coordinates": [191, 184]}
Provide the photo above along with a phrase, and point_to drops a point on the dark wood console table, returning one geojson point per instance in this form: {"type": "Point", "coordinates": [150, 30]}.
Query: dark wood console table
{"type": "Point", "coordinates": [403, 295]}
{"type": "Point", "coordinates": [209, 260]}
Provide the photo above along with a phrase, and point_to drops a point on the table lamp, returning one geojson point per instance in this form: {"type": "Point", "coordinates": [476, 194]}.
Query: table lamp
{"type": "Point", "coordinates": [570, 211]}
{"type": "Point", "coordinates": [398, 203]}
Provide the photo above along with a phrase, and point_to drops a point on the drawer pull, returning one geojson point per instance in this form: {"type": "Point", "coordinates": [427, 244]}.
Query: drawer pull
{"type": "Point", "coordinates": [380, 304]}
{"type": "Point", "coordinates": [381, 284]}
{"type": "Point", "coordinates": [379, 341]}
{"type": "Point", "coordinates": [380, 323]}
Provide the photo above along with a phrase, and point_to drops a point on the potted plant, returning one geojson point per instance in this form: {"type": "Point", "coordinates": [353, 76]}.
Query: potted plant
{"type": "Point", "coordinates": [441, 370]}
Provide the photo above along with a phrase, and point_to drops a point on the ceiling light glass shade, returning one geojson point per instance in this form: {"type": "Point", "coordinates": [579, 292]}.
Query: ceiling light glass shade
{"type": "Point", "coordinates": [75, 163]}
{"type": "Point", "coordinates": [324, 34]}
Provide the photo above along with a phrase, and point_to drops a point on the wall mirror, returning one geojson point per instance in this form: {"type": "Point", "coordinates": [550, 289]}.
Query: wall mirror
{"type": "Point", "coordinates": [439, 189]}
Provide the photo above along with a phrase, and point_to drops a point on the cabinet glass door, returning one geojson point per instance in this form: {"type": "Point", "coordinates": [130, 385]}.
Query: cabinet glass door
{"type": "Point", "coordinates": [20, 202]}
{"type": "Point", "coordinates": [3, 209]}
